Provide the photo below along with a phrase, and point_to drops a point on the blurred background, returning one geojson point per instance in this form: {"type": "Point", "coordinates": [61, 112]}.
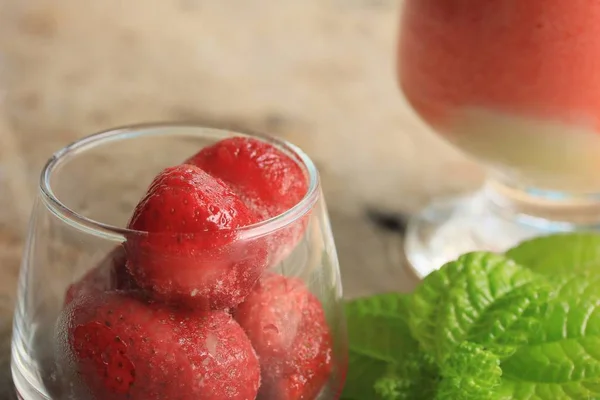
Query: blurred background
{"type": "Point", "coordinates": [320, 73]}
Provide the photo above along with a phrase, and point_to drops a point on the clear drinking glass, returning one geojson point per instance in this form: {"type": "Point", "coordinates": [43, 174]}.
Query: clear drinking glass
{"type": "Point", "coordinates": [87, 193]}
{"type": "Point", "coordinates": [514, 84]}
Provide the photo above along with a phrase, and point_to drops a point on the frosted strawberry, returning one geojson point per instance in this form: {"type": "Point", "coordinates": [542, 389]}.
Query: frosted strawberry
{"type": "Point", "coordinates": [118, 348]}
{"type": "Point", "coordinates": [267, 179]}
{"type": "Point", "coordinates": [110, 274]}
{"type": "Point", "coordinates": [191, 254]}
{"type": "Point", "coordinates": [287, 327]}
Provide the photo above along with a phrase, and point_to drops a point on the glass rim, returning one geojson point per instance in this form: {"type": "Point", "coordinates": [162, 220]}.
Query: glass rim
{"type": "Point", "coordinates": [98, 228]}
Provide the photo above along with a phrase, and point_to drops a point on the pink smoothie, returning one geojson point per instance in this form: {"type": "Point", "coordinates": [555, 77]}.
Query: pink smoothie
{"type": "Point", "coordinates": [513, 82]}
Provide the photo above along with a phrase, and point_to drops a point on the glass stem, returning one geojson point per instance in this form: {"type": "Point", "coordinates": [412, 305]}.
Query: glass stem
{"type": "Point", "coordinates": [543, 209]}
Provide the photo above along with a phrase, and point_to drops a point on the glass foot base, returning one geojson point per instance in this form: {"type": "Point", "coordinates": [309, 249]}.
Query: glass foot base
{"type": "Point", "coordinates": [451, 227]}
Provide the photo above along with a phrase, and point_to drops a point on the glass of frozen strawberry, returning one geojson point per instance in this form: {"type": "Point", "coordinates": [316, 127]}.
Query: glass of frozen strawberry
{"type": "Point", "coordinates": [179, 262]}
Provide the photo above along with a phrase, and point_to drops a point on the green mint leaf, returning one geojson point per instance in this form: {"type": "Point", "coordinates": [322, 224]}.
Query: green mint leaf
{"type": "Point", "coordinates": [561, 356]}
{"type": "Point", "coordinates": [363, 373]}
{"type": "Point", "coordinates": [390, 387]}
{"type": "Point", "coordinates": [385, 361]}
{"type": "Point", "coordinates": [470, 373]}
{"type": "Point", "coordinates": [561, 253]}
{"type": "Point", "coordinates": [511, 320]}
{"type": "Point", "coordinates": [543, 331]}
{"type": "Point", "coordinates": [525, 326]}
{"type": "Point", "coordinates": [453, 300]}
{"type": "Point", "coordinates": [423, 307]}
{"type": "Point", "coordinates": [415, 377]}
{"type": "Point", "coordinates": [377, 327]}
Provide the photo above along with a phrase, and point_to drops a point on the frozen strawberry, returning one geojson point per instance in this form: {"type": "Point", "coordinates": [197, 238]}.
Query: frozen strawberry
{"type": "Point", "coordinates": [191, 254]}
{"type": "Point", "coordinates": [287, 327]}
{"type": "Point", "coordinates": [110, 274]}
{"type": "Point", "coordinates": [268, 180]}
{"type": "Point", "coordinates": [118, 347]}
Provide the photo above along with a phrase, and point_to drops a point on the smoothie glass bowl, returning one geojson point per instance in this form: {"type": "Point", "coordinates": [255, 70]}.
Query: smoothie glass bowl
{"type": "Point", "coordinates": [514, 84]}
{"type": "Point", "coordinates": [262, 317]}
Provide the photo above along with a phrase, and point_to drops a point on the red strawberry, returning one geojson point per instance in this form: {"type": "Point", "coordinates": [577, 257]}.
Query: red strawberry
{"type": "Point", "coordinates": [268, 180]}
{"type": "Point", "coordinates": [123, 348]}
{"type": "Point", "coordinates": [265, 176]}
{"type": "Point", "coordinates": [287, 327]}
{"type": "Point", "coordinates": [110, 274]}
{"type": "Point", "coordinates": [191, 254]}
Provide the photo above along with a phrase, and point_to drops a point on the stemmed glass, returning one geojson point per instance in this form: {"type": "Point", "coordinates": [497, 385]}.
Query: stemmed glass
{"type": "Point", "coordinates": [87, 193]}
{"type": "Point", "coordinates": [514, 84]}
